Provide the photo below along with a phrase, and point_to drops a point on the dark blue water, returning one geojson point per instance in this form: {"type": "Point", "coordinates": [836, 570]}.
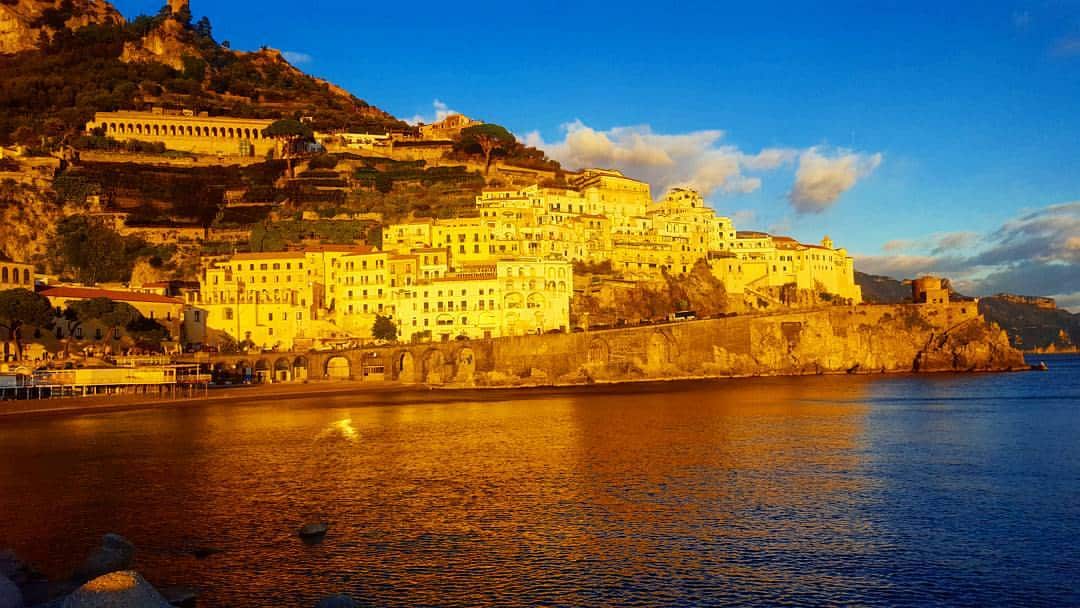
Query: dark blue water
{"type": "Point", "coordinates": [944, 490]}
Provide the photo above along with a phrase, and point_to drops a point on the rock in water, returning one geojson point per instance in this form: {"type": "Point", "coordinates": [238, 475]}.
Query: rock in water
{"type": "Point", "coordinates": [125, 589]}
{"type": "Point", "coordinates": [337, 601]}
{"type": "Point", "coordinates": [183, 597]}
{"type": "Point", "coordinates": [314, 530]}
{"type": "Point", "coordinates": [10, 596]}
{"type": "Point", "coordinates": [114, 554]}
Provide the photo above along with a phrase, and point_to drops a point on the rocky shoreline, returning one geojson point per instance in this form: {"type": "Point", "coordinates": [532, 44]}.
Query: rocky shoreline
{"type": "Point", "coordinates": [105, 579]}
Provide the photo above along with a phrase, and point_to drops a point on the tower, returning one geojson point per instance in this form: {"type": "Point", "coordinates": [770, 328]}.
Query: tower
{"type": "Point", "coordinates": [178, 6]}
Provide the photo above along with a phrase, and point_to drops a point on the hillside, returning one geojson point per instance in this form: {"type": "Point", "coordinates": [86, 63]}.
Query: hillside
{"type": "Point", "coordinates": [95, 61]}
{"type": "Point", "coordinates": [1031, 326]}
{"type": "Point", "coordinates": [24, 24]}
{"type": "Point", "coordinates": [882, 290]}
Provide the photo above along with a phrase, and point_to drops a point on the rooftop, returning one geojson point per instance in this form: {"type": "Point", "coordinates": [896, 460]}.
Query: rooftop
{"type": "Point", "coordinates": [89, 293]}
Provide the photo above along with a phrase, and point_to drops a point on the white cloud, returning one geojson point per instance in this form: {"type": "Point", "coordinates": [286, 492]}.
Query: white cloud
{"type": "Point", "coordinates": [821, 179]}
{"type": "Point", "coordinates": [297, 58]}
{"type": "Point", "coordinates": [440, 109]}
{"type": "Point", "coordinates": [695, 160]}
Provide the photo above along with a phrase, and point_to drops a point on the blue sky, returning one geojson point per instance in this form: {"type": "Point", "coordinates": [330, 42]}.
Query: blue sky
{"type": "Point", "coordinates": [895, 127]}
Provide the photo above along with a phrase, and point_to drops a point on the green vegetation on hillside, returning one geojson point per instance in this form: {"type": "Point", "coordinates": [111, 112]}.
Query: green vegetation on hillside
{"type": "Point", "coordinates": [54, 91]}
{"type": "Point", "coordinates": [94, 253]}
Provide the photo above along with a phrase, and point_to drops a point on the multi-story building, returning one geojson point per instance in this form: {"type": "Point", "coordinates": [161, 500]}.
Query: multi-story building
{"type": "Point", "coordinates": [604, 216]}
{"type": "Point", "coordinates": [272, 299]}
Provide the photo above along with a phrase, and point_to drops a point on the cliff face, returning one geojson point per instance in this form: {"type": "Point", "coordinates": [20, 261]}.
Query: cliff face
{"type": "Point", "coordinates": [22, 22]}
{"type": "Point", "coordinates": [861, 339]}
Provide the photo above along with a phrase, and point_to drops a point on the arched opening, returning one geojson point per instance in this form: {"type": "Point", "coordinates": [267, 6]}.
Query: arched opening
{"type": "Point", "coordinates": [282, 370]}
{"type": "Point", "coordinates": [466, 366]}
{"type": "Point", "coordinates": [300, 368]}
{"type": "Point", "coordinates": [406, 368]}
{"type": "Point", "coordinates": [338, 368]}
{"type": "Point", "coordinates": [244, 371]}
{"type": "Point", "coordinates": [262, 372]}
{"type": "Point", "coordinates": [435, 367]}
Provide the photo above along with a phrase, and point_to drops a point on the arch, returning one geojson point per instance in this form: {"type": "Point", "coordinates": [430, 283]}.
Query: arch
{"type": "Point", "coordinates": [338, 368]}
{"type": "Point", "coordinates": [26, 275]}
{"type": "Point", "coordinates": [405, 364]}
{"type": "Point", "coordinates": [658, 350]}
{"type": "Point", "coordinates": [537, 300]}
{"type": "Point", "coordinates": [4, 275]}
{"type": "Point", "coordinates": [513, 300]}
{"type": "Point", "coordinates": [245, 370]}
{"type": "Point", "coordinates": [282, 370]}
{"type": "Point", "coordinates": [466, 366]}
{"type": "Point", "coordinates": [599, 352]}
{"type": "Point", "coordinates": [434, 367]}
{"type": "Point", "coordinates": [263, 371]}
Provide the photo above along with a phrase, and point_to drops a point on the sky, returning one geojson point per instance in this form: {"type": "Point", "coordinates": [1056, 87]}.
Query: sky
{"type": "Point", "coordinates": [925, 137]}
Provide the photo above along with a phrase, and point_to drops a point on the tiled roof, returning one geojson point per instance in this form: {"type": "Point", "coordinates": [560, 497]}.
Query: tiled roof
{"type": "Point", "coordinates": [89, 293]}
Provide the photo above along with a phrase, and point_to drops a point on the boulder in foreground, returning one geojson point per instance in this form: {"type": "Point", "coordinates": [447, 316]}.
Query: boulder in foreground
{"type": "Point", "coordinates": [114, 554]}
{"type": "Point", "coordinates": [126, 589]}
{"type": "Point", "coordinates": [10, 596]}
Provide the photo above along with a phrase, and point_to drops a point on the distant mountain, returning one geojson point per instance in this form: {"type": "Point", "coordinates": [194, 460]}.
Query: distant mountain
{"type": "Point", "coordinates": [882, 290]}
{"type": "Point", "coordinates": [64, 60]}
{"type": "Point", "coordinates": [1033, 323]}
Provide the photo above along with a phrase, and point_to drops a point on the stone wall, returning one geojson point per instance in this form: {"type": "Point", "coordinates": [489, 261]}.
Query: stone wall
{"type": "Point", "coordinates": [850, 339]}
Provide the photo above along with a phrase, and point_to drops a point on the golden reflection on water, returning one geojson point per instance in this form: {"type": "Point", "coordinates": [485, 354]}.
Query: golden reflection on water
{"type": "Point", "coordinates": [438, 502]}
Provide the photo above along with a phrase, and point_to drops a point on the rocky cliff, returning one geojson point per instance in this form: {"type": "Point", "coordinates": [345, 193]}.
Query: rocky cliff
{"type": "Point", "coordinates": [23, 23]}
{"type": "Point", "coordinates": [840, 339]}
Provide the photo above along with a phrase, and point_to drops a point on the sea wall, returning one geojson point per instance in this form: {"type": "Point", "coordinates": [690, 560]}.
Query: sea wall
{"type": "Point", "coordinates": [866, 339]}
{"type": "Point", "coordinates": [833, 339]}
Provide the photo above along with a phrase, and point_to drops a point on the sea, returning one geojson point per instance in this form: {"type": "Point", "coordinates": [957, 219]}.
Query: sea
{"type": "Point", "coordinates": [890, 490]}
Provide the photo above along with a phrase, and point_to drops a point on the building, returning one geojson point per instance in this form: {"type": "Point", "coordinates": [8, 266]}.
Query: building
{"type": "Point", "coordinates": [186, 132]}
{"type": "Point", "coordinates": [604, 216]}
{"type": "Point", "coordinates": [167, 311]}
{"type": "Point", "coordinates": [447, 128]}
{"type": "Point", "coordinates": [930, 290]}
{"type": "Point", "coordinates": [15, 275]}
{"type": "Point", "coordinates": [280, 299]}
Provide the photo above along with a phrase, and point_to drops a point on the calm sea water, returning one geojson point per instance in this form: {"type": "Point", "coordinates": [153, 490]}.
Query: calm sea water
{"type": "Point", "coordinates": [952, 490]}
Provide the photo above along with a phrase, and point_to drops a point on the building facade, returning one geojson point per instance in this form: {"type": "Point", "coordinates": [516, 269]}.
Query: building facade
{"type": "Point", "coordinates": [15, 275]}
{"type": "Point", "coordinates": [186, 132]}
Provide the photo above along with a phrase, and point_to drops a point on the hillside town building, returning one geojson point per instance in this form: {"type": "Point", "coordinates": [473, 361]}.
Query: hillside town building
{"type": "Point", "coordinates": [185, 131]}
{"type": "Point", "coordinates": [15, 275]}
{"type": "Point", "coordinates": [604, 216]}
{"type": "Point", "coordinates": [277, 299]}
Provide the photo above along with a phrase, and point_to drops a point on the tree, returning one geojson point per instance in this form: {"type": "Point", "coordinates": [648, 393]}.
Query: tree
{"type": "Point", "coordinates": [290, 132]}
{"type": "Point", "coordinates": [384, 329]}
{"type": "Point", "coordinates": [486, 139]}
{"type": "Point", "coordinates": [21, 307]}
{"type": "Point", "coordinates": [91, 249]}
{"type": "Point", "coordinates": [204, 29]}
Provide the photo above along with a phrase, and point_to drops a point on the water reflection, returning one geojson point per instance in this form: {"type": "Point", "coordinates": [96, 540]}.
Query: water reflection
{"type": "Point", "coordinates": [783, 491]}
